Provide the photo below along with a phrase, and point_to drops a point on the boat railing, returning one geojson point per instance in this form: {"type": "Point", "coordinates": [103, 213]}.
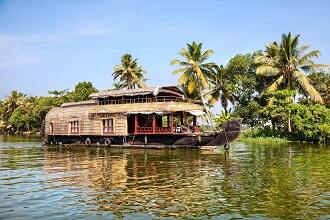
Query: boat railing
{"type": "Point", "coordinates": [144, 130]}
{"type": "Point", "coordinates": [167, 130]}
{"type": "Point", "coordinates": [163, 130]}
{"type": "Point", "coordinates": [141, 100]}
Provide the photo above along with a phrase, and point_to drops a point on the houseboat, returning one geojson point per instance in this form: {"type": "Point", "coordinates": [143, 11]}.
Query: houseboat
{"type": "Point", "coordinates": [151, 117]}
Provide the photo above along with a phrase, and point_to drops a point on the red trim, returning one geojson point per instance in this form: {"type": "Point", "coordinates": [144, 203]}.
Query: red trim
{"type": "Point", "coordinates": [135, 123]}
{"type": "Point", "coordinates": [172, 123]}
{"type": "Point", "coordinates": [153, 123]}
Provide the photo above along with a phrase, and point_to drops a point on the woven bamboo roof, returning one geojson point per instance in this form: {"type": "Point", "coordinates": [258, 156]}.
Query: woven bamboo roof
{"type": "Point", "coordinates": [145, 107]}
{"type": "Point", "coordinates": [140, 91]}
{"type": "Point", "coordinates": [134, 108]}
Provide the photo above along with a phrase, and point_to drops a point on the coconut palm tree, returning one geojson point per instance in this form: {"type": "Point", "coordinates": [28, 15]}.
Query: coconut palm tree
{"type": "Point", "coordinates": [129, 72]}
{"type": "Point", "coordinates": [117, 86]}
{"type": "Point", "coordinates": [220, 89]}
{"type": "Point", "coordinates": [195, 71]}
{"type": "Point", "coordinates": [10, 103]}
{"type": "Point", "coordinates": [289, 63]}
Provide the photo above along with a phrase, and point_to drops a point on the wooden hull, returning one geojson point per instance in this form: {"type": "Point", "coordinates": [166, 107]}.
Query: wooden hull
{"type": "Point", "coordinates": [231, 131]}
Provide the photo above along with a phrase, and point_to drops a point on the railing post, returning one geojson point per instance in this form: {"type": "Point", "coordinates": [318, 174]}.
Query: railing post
{"type": "Point", "coordinates": [172, 123]}
{"type": "Point", "coordinates": [153, 123]}
{"type": "Point", "coordinates": [135, 123]}
{"type": "Point", "coordinates": [181, 118]}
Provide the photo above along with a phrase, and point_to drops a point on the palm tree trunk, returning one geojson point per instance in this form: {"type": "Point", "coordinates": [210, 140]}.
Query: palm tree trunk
{"type": "Point", "coordinates": [289, 124]}
{"type": "Point", "coordinates": [205, 107]}
{"type": "Point", "coordinates": [289, 117]}
{"type": "Point", "coordinates": [225, 106]}
{"type": "Point", "coordinates": [273, 124]}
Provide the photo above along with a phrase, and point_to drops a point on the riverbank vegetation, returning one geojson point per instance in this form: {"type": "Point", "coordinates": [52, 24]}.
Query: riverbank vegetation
{"type": "Point", "coordinates": [279, 92]}
{"type": "Point", "coordinates": [22, 113]}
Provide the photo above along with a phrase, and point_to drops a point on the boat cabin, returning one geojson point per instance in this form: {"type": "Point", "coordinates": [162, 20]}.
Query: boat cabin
{"type": "Point", "coordinates": [153, 110]}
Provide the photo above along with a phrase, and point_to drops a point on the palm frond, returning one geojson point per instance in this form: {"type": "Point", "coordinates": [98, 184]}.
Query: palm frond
{"type": "Point", "coordinates": [201, 77]}
{"type": "Point", "coordinates": [180, 70]}
{"type": "Point", "coordinates": [179, 62]}
{"type": "Point", "coordinates": [303, 81]}
{"type": "Point", "coordinates": [183, 78]}
{"type": "Point", "coordinates": [267, 70]}
{"type": "Point", "coordinates": [274, 86]}
{"type": "Point", "coordinates": [191, 86]}
{"type": "Point", "coordinates": [308, 56]}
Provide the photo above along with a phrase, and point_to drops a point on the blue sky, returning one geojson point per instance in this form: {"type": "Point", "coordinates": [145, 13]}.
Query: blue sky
{"type": "Point", "coordinates": [47, 45]}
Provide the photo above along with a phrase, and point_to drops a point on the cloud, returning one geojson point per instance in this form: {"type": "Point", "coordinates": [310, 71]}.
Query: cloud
{"type": "Point", "coordinates": [25, 49]}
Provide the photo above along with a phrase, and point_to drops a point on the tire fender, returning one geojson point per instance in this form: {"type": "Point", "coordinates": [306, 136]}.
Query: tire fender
{"type": "Point", "coordinates": [88, 142]}
{"type": "Point", "coordinates": [107, 142]}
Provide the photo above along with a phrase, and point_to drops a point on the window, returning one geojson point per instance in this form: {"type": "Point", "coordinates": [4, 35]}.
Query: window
{"type": "Point", "coordinates": [108, 126]}
{"type": "Point", "coordinates": [74, 127]}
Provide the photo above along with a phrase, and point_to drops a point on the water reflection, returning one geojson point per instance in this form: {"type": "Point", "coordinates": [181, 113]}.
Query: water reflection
{"type": "Point", "coordinates": [249, 181]}
{"type": "Point", "coordinates": [161, 182]}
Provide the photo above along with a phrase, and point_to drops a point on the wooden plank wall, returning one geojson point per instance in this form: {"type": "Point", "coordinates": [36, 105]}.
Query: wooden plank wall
{"type": "Point", "coordinates": [61, 118]}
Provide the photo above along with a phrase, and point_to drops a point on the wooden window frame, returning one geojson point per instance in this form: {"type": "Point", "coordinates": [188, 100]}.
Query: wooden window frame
{"type": "Point", "coordinates": [74, 127]}
{"type": "Point", "coordinates": [106, 129]}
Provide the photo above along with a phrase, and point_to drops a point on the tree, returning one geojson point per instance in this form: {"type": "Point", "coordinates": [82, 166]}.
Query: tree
{"type": "Point", "coordinates": [321, 81]}
{"type": "Point", "coordinates": [10, 103]}
{"type": "Point", "coordinates": [246, 86]}
{"type": "Point", "coordinates": [195, 71]}
{"type": "Point", "coordinates": [129, 72]}
{"type": "Point", "coordinates": [82, 91]}
{"type": "Point", "coordinates": [117, 86]}
{"type": "Point", "coordinates": [16, 119]}
{"type": "Point", "coordinates": [289, 62]}
{"type": "Point", "coordinates": [221, 88]}
{"type": "Point", "coordinates": [59, 97]}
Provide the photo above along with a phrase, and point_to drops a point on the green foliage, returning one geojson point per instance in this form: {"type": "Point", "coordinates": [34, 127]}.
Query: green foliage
{"type": "Point", "coordinates": [129, 72]}
{"type": "Point", "coordinates": [321, 82]}
{"type": "Point", "coordinates": [195, 72]}
{"type": "Point", "coordinates": [250, 113]}
{"type": "Point", "coordinates": [223, 118]}
{"type": "Point", "coordinates": [289, 62]}
{"type": "Point", "coordinates": [246, 87]}
{"type": "Point", "coordinates": [82, 91]}
{"type": "Point", "coordinates": [264, 140]}
{"type": "Point", "coordinates": [311, 123]}
{"type": "Point", "coordinates": [221, 88]}
{"type": "Point", "coordinates": [263, 132]}
{"type": "Point", "coordinates": [23, 113]}
{"type": "Point", "coordinates": [279, 108]}
{"type": "Point", "coordinates": [18, 118]}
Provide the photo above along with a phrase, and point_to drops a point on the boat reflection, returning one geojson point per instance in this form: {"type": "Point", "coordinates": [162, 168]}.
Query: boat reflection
{"type": "Point", "coordinates": [163, 182]}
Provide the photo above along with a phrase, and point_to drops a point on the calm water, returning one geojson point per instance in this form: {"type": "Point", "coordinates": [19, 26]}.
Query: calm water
{"type": "Point", "coordinates": [274, 181]}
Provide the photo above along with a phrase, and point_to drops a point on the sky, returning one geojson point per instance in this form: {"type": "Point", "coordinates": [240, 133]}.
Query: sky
{"type": "Point", "coordinates": [48, 45]}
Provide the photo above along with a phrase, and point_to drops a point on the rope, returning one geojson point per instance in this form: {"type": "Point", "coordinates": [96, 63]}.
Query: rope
{"type": "Point", "coordinates": [224, 131]}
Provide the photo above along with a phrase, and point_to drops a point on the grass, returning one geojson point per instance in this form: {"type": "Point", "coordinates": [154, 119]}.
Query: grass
{"type": "Point", "coordinates": [262, 136]}
{"type": "Point", "coordinates": [263, 140]}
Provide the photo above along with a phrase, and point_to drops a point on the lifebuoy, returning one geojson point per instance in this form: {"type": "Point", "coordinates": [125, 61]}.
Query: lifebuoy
{"type": "Point", "coordinates": [88, 142]}
{"type": "Point", "coordinates": [107, 142]}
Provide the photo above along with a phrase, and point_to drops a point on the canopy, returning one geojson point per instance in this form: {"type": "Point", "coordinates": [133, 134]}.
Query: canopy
{"type": "Point", "coordinates": [197, 112]}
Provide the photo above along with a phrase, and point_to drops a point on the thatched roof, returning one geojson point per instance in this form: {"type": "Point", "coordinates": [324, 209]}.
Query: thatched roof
{"type": "Point", "coordinates": [145, 107]}
{"type": "Point", "coordinates": [141, 91]}
{"type": "Point", "coordinates": [153, 107]}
